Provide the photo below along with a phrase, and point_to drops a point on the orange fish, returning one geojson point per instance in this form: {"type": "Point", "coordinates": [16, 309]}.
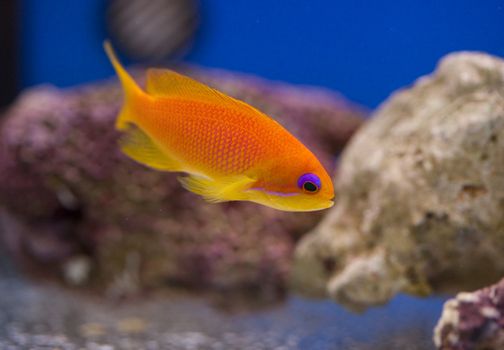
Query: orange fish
{"type": "Point", "coordinates": [229, 150]}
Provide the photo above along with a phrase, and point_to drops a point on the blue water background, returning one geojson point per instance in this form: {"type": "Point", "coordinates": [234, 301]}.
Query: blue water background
{"type": "Point", "coordinates": [364, 49]}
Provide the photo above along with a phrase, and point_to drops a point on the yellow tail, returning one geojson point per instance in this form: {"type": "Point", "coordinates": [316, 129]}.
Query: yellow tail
{"type": "Point", "coordinates": [130, 87]}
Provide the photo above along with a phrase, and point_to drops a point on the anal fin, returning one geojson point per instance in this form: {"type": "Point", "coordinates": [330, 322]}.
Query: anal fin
{"type": "Point", "coordinates": [228, 189]}
{"type": "Point", "coordinates": [137, 145]}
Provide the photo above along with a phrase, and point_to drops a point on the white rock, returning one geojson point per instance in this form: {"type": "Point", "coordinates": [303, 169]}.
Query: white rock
{"type": "Point", "coordinates": [422, 184]}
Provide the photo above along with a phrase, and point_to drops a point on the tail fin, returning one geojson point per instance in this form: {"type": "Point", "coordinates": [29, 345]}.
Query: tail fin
{"type": "Point", "coordinates": [130, 87]}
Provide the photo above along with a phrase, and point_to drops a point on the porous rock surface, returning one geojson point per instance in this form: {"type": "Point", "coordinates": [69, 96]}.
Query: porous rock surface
{"type": "Point", "coordinates": [73, 206]}
{"type": "Point", "coordinates": [420, 193]}
{"type": "Point", "coordinates": [473, 321]}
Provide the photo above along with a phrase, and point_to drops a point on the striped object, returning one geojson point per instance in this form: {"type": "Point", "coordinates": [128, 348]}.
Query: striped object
{"type": "Point", "coordinates": [152, 30]}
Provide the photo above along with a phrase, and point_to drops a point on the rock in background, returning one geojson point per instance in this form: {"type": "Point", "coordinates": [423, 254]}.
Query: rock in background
{"type": "Point", "coordinates": [421, 193]}
{"type": "Point", "coordinates": [73, 207]}
{"type": "Point", "coordinates": [473, 321]}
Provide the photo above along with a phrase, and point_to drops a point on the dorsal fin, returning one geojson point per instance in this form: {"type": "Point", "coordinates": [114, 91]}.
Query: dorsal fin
{"type": "Point", "coordinates": [165, 82]}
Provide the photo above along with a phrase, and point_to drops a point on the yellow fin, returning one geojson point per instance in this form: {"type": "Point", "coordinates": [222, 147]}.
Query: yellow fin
{"type": "Point", "coordinates": [165, 82]}
{"type": "Point", "coordinates": [228, 189]}
{"type": "Point", "coordinates": [139, 146]}
{"type": "Point", "coordinates": [130, 87]}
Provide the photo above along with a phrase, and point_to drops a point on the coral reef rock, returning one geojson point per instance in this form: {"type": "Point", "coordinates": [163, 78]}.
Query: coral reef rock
{"type": "Point", "coordinates": [72, 206]}
{"type": "Point", "coordinates": [473, 321]}
{"type": "Point", "coordinates": [420, 193]}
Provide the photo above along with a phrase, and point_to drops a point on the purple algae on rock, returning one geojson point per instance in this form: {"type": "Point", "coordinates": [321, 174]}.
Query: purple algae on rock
{"type": "Point", "coordinates": [473, 320]}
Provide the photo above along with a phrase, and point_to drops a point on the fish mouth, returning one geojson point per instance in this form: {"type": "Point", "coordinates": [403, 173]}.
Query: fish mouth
{"type": "Point", "coordinates": [324, 206]}
{"type": "Point", "coordinates": [290, 201]}
{"type": "Point", "coordinates": [329, 204]}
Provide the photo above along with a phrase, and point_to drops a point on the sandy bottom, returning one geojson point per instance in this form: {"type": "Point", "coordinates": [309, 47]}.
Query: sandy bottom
{"type": "Point", "coordinates": [35, 316]}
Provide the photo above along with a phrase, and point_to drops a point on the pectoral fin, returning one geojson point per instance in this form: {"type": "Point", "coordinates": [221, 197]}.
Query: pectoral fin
{"type": "Point", "coordinates": [227, 189]}
{"type": "Point", "coordinates": [139, 146]}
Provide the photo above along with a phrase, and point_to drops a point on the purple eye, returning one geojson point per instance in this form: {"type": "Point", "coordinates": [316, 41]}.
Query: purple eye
{"type": "Point", "coordinates": [309, 183]}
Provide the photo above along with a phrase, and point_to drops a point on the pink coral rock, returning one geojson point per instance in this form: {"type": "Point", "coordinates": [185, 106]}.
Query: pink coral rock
{"type": "Point", "coordinates": [473, 321]}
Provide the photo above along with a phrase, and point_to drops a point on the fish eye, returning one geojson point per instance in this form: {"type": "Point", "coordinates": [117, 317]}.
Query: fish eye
{"type": "Point", "coordinates": [310, 187]}
{"type": "Point", "coordinates": [309, 183]}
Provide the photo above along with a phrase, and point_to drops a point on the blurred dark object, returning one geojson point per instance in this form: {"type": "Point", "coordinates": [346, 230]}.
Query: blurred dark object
{"type": "Point", "coordinates": [473, 321]}
{"type": "Point", "coordinates": [152, 30]}
{"type": "Point", "coordinates": [72, 205]}
{"type": "Point", "coordinates": [8, 51]}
